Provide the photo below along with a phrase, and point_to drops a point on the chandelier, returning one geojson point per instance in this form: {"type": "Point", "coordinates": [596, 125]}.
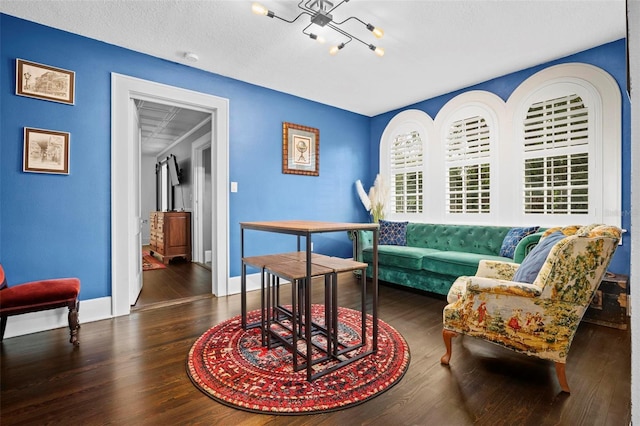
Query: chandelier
{"type": "Point", "coordinates": [320, 13]}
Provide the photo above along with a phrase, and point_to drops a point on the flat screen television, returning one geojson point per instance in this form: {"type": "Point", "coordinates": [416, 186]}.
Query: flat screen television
{"type": "Point", "coordinates": [174, 171]}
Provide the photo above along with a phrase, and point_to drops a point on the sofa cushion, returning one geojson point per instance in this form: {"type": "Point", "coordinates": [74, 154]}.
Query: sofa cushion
{"type": "Point", "coordinates": [513, 237]}
{"type": "Point", "coordinates": [455, 263]}
{"type": "Point", "coordinates": [393, 233]}
{"type": "Point", "coordinates": [531, 265]}
{"type": "Point", "coordinates": [397, 256]}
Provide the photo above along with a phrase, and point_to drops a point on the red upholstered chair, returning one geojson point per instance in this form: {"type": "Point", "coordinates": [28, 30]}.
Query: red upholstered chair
{"type": "Point", "coordinates": [39, 296]}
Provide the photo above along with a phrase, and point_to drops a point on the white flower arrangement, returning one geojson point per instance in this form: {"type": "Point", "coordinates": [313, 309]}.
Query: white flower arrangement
{"type": "Point", "coordinates": [376, 200]}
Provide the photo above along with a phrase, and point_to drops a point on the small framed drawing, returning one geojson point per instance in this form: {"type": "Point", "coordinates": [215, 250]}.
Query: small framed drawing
{"type": "Point", "coordinates": [300, 150]}
{"type": "Point", "coordinates": [46, 151]}
{"type": "Point", "coordinates": [44, 82]}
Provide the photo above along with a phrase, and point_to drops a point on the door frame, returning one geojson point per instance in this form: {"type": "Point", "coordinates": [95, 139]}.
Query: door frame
{"type": "Point", "coordinates": [123, 223]}
{"type": "Point", "coordinates": [197, 149]}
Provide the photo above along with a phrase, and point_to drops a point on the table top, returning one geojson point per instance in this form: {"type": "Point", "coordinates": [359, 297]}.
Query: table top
{"type": "Point", "coordinates": [307, 226]}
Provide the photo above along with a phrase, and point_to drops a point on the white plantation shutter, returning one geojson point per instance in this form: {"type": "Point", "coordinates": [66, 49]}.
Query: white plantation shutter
{"type": "Point", "coordinates": [556, 157]}
{"type": "Point", "coordinates": [467, 155]}
{"type": "Point", "coordinates": [406, 173]}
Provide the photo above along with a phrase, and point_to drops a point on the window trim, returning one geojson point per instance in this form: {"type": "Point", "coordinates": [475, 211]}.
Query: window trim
{"type": "Point", "coordinates": [605, 124]}
{"type": "Point", "coordinates": [492, 109]}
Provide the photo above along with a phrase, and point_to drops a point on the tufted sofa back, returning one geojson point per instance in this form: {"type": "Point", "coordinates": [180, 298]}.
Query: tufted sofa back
{"type": "Point", "coordinates": [479, 239]}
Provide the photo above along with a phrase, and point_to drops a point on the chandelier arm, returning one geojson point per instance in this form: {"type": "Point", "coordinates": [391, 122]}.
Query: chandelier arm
{"type": "Point", "coordinates": [336, 6]}
{"type": "Point", "coordinates": [349, 18]}
{"type": "Point", "coordinates": [346, 34]}
{"type": "Point", "coordinates": [304, 6]}
{"type": "Point", "coordinates": [305, 29]}
{"type": "Point", "coordinates": [294, 19]}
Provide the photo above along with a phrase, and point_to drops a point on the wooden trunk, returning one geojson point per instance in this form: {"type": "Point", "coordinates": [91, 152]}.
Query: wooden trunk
{"type": "Point", "coordinates": [609, 304]}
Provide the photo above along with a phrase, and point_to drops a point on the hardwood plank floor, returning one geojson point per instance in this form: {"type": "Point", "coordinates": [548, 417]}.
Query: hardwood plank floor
{"type": "Point", "coordinates": [131, 371]}
{"type": "Point", "coordinates": [179, 282]}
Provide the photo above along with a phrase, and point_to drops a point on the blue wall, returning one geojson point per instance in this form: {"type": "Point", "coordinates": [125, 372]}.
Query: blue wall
{"type": "Point", "coordinates": [55, 225]}
{"type": "Point", "coordinates": [611, 57]}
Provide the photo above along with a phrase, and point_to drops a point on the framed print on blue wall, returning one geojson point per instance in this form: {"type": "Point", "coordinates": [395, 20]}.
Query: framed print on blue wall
{"type": "Point", "coordinates": [300, 150]}
{"type": "Point", "coordinates": [46, 151]}
{"type": "Point", "coordinates": [45, 82]}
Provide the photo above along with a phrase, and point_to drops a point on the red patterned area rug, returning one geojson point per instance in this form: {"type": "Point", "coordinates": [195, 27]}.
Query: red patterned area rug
{"type": "Point", "coordinates": [231, 366]}
{"type": "Point", "coordinates": [149, 263]}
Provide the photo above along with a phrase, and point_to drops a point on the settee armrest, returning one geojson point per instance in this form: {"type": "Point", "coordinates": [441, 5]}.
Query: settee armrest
{"type": "Point", "coordinates": [496, 269]}
{"type": "Point", "coordinates": [526, 245]}
{"type": "Point", "coordinates": [509, 288]}
{"type": "Point", "coordinates": [364, 240]}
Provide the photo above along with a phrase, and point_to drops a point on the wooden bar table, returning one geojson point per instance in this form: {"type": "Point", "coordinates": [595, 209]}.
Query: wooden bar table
{"type": "Point", "coordinates": [305, 228]}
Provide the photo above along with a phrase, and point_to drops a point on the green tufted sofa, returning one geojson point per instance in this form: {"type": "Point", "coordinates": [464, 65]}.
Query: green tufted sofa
{"type": "Point", "coordinates": [437, 254]}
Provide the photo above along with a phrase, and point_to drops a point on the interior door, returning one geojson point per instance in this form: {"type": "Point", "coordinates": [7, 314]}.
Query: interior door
{"type": "Point", "coordinates": [135, 275]}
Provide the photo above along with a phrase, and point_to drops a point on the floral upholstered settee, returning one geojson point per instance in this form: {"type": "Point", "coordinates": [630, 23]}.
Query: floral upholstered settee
{"type": "Point", "coordinates": [535, 311]}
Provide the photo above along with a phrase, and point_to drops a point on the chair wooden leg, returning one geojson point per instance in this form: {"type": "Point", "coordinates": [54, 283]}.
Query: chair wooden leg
{"type": "Point", "coordinates": [74, 323]}
{"type": "Point", "coordinates": [562, 377]}
{"type": "Point", "coordinates": [447, 335]}
{"type": "Point", "coordinates": [3, 326]}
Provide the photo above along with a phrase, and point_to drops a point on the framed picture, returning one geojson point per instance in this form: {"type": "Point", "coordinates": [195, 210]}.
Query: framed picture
{"type": "Point", "coordinates": [44, 82]}
{"type": "Point", "coordinates": [300, 150]}
{"type": "Point", "coordinates": [46, 151]}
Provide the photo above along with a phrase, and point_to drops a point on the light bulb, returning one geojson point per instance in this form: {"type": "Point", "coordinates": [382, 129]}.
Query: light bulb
{"type": "Point", "coordinates": [375, 30]}
{"type": "Point", "coordinates": [335, 49]}
{"type": "Point", "coordinates": [259, 9]}
{"type": "Point", "coordinates": [377, 50]}
{"type": "Point", "coordinates": [317, 38]}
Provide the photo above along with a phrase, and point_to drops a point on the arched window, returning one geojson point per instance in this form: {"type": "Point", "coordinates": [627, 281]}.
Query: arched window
{"type": "Point", "coordinates": [566, 123]}
{"type": "Point", "coordinates": [403, 155]}
{"type": "Point", "coordinates": [468, 165]}
{"type": "Point", "coordinates": [556, 156]}
{"type": "Point", "coordinates": [469, 126]}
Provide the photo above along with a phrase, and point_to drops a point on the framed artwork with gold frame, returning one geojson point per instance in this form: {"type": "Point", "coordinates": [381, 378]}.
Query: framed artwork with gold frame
{"type": "Point", "coordinates": [300, 150]}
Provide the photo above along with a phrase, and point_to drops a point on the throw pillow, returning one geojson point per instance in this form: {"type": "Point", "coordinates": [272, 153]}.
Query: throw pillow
{"type": "Point", "coordinates": [512, 239]}
{"type": "Point", "coordinates": [531, 265]}
{"type": "Point", "coordinates": [393, 233]}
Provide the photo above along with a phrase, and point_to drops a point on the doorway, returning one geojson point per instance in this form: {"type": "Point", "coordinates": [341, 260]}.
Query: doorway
{"type": "Point", "coordinates": [168, 133]}
{"type": "Point", "coordinates": [125, 222]}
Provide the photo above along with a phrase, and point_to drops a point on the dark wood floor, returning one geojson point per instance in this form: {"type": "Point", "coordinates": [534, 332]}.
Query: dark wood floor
{"type": "Point", "coordinates": [180, 281]}
{"type": "Point", "coordinates": [131, 371]}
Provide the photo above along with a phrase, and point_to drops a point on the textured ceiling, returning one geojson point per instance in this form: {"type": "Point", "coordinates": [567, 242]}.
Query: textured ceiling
{"type": "Point", "coordinates": [432, 46]}
{"type": "Point", "coordinates": [162, 125]}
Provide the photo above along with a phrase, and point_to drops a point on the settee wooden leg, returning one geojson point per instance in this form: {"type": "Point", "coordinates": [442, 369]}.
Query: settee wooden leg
{"type": "Point", "coordinates": [562, 377]}
{"type": "Point", "coordinates": [74, 323]}
{"type": "Point", "coordinates": [447, 335]}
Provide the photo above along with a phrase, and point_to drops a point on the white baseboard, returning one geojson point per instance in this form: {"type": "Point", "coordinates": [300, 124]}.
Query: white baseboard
{"type": "Point", "coordinates": [90, 310]}
{"type": "Point", "coordinates": [235, 283]}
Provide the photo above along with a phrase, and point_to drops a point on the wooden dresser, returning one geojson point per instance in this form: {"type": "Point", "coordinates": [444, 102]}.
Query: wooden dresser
{"type": "Point", "coordinates": [171, 235]}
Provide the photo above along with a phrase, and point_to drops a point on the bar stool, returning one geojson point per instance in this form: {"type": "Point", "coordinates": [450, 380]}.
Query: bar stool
{"type": "Point", "coordinates": [339, 265]}
{"type": "Point", "coordinates": [301, 324]}
{"type": "Point", "coordinates": [259, 262]}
